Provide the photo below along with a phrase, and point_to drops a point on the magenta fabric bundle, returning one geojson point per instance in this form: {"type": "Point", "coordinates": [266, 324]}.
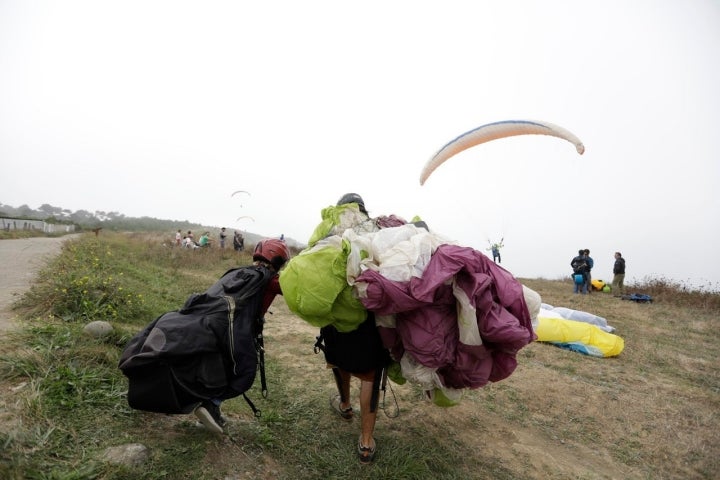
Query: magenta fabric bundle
{"type": "Point", "coordinates": [427, 321]}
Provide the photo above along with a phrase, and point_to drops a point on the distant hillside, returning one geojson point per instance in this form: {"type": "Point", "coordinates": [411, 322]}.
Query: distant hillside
{"type": "Point", "coordinates": [116, 221]}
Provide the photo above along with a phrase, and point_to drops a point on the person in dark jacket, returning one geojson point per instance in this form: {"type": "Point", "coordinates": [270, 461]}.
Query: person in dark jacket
{"type": "Point", "coordinates": [618, 274]}
{"type": "Point", "coordinates": [192, 359]}
{"type": "Point", "coordinates": [588, 273]}
{"type": "Point", "coordinates": [580, 267]}
{"type": "Point", "coordinates": [238, 241]}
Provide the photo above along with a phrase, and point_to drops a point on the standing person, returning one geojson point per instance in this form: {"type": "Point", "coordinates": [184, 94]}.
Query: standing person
{"type": "Point", "coordinates": [192, 359]}
{"type": "Point", "coordinates": [222, 237]}
{"type": "Point", "coordinates": [579, 266]}
{"type": "Point", "coordinates": [618, 273]}
{"type": "Point", "coordinates": [178, 238]}
{"type": "Point", "coordinates": [238, 242]}
{"type": "Point", "coordinates": [588, 275]}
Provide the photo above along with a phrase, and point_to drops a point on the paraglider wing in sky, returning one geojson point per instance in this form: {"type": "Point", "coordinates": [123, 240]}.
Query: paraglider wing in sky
{"type": "Point", "coordinates": [245, 216]}
{"type": "Point", "coordinates": [239, 191]}
{"type": "Point", "coordinates": [494, 131]}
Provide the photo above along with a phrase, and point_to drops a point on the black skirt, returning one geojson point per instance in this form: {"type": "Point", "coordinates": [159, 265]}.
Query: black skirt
{"type": "Point", "coordinates": [358, 351]}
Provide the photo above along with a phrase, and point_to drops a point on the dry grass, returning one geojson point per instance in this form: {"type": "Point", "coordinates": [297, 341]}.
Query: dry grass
{"type": "Point", "coordinates": [650, 413]}
{"type": "Point", "coordinates": [654, 409]}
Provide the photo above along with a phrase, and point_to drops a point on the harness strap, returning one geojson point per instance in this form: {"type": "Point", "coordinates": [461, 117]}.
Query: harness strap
{"type": "Point", "coordinates": [319, 346]}
{"type": "Point", "coordinates": [379, 382]}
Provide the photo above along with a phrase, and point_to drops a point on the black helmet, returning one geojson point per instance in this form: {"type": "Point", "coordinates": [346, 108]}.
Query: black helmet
{"type": "Point", "coordinates": [353, 198]}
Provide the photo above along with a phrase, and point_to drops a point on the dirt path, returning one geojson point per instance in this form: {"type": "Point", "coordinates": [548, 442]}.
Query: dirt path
{"type": "Point", "coordinates": [20, 260]}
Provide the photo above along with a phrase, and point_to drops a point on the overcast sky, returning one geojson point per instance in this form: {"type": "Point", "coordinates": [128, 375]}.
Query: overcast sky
{"type": "Point", "coordinates": [165, 108]}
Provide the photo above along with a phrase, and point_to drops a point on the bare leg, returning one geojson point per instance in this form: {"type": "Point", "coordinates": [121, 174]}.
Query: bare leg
{"type": "Point", "coordinates": [344, 387]}
{"type": "Point", "coordinates": [368, 417]}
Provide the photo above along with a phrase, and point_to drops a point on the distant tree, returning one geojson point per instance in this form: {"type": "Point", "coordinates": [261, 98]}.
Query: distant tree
{"type": "Point", "coordinates": [83, 217]}
{"type": "Point", "coordinates": [50, 210]}
{"type": "Point", "coordinates": [86, 220]}
{"type": "Point", "coordinates": [25, 211]}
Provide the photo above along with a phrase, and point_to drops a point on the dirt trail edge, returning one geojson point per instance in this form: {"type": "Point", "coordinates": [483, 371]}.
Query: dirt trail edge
{"type": "Point", "coordinates": [20, 261]}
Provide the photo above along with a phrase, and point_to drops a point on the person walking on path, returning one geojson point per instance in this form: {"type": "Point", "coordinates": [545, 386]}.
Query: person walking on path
{"type": "Point", "coordinates": [618, 274]}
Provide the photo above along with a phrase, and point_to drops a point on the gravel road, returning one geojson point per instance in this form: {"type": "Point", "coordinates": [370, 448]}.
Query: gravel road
{"type": "Point", "coordinates": [20, 261]}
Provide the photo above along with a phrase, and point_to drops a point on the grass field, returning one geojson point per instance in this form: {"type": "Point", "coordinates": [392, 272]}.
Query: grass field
{"type": "Point", "coordinates": [650, 413]}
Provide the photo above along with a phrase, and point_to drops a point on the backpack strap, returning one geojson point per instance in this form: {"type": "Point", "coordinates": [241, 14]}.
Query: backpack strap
{"type": "Point", "coordinates": [256, 411]}
{"type": "Point", "coordinates": [260, 349]}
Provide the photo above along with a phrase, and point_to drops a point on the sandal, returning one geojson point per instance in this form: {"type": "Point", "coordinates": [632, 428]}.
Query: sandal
{"type": "Point", "coordinates": [345, 413]}
{"type": "Point", "coordinates": [366, 454]}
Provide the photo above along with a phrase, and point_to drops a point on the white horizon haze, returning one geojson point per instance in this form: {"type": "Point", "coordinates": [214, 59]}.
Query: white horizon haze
{"type": "Point", "coordinates": [165, 108]}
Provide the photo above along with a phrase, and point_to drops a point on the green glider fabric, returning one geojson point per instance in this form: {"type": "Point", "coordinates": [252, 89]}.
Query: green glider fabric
{"type": "Point", "coordinates": [335, 219]}
{"type": "Point", "coordinates": [314, 283]}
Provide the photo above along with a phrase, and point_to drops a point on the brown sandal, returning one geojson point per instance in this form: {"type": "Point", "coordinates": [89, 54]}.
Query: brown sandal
{"type": "Point", "coordinates": [366, 454]}
{"type": "Point", "coordinates": [345, 413]}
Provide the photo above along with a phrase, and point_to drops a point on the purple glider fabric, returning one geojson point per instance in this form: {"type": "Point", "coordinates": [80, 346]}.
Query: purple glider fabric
{"type": "Point", "coordinates": [426, 315]}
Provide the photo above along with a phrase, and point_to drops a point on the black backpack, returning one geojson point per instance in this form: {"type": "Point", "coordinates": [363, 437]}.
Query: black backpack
{"type": "Point", "coordinates": [210, 348]}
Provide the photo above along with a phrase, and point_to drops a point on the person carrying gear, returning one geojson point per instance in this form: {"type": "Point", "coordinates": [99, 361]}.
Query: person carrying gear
{"type": "Point", "coordinates": [192, 359]}
{"type": "Point", "coordinates": [359, 353]}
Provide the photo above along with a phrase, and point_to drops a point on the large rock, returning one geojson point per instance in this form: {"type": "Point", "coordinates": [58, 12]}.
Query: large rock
{"type": "Point", "coordinates": [98, 329]}
{"type": "Point", "coordinates": [131, 454]}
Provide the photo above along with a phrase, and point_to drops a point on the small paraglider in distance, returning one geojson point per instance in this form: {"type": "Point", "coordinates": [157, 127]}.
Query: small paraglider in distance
{"type": "Point", "coordinates": [495, 248]}
{"type": "Point", "coordinates": [239, 191]}
{"type": "Point", "coordinates": [245, 216]}
{"type": "Point", "coordinates": [494, 131]}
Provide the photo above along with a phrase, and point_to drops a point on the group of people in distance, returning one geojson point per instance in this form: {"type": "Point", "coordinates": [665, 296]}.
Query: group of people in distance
{"type": "Point", "coordinates": [188, 240]}
{"type": "Point", "coordinates": [582, 266]}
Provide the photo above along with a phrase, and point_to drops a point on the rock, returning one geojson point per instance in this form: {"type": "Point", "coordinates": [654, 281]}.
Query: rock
{"type": "Point", "coordinates": [98, 329]}
{"type": "Point", "coordinates": [131, 454]}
